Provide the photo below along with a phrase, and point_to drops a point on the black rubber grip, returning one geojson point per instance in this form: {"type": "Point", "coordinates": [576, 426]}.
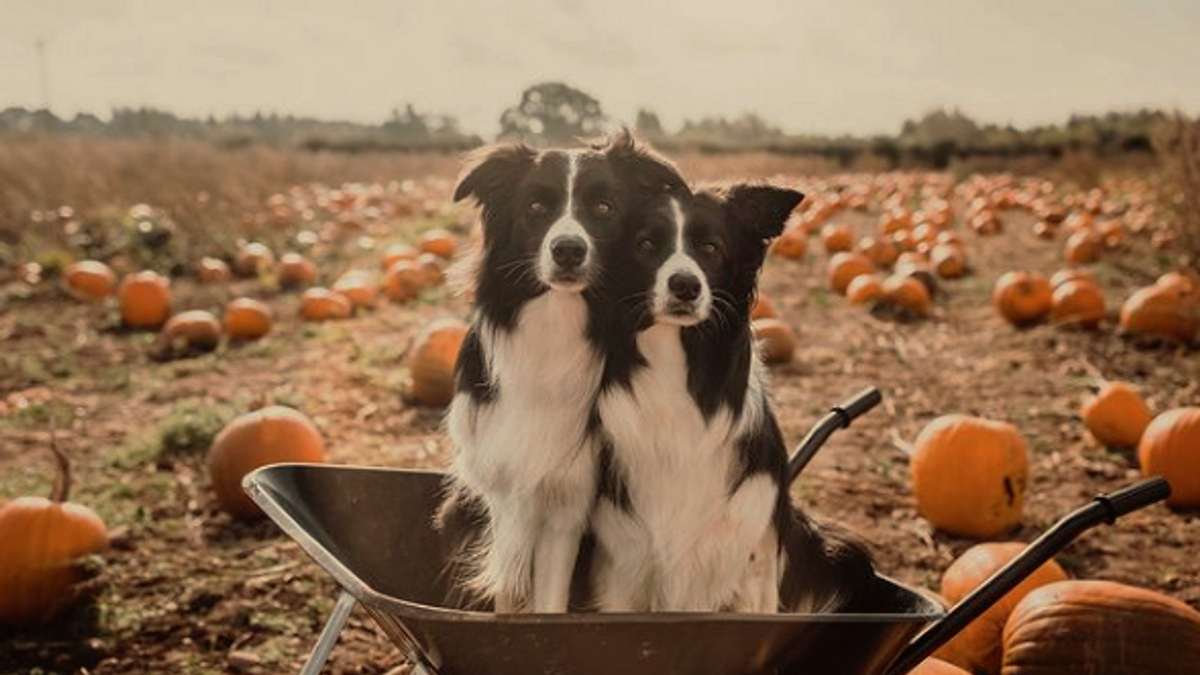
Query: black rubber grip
{"type": "Point", "coordinates": [1136, 496]}
{"type": "Point", "coordinates": [855, 406]}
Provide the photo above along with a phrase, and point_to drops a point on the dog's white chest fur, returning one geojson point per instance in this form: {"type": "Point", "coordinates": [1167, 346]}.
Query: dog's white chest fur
{"type": "Point", "coordinates": [687, 542]}
{"type": "Point", "coordinates": [527, 453]}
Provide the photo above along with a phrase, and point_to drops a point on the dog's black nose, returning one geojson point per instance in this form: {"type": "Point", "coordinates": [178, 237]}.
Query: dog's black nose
{"type": "Point", "coordinates": [568, 251]}
{"type": "Point", "coordinates": [685, 287]}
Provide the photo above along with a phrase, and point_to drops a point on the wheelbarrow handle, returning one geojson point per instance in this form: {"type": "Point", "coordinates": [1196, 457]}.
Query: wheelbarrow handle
{"type": "Point", "coordinates": [1102, 509]}
{"type": "Point", "coordinates": [839, 417]}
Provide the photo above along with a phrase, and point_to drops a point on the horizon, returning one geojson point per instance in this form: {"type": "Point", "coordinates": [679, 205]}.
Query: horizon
{"type": "Point", "coordinates": [856, 68]}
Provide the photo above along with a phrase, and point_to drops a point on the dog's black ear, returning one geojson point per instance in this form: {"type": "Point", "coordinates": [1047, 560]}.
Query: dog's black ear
{"type": "Point", "coordinates": [492, 171]}
{"type": "Point", "coordinates": [651, 172]}
{"type": "Point", "coordinates": [764, 209]}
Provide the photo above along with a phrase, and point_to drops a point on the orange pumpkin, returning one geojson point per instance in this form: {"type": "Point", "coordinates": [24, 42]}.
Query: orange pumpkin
{"type": "Point", "coordinates": [247, 319]}
{"type": "Point", "coordinates": [1071, 274]}
{"type": "Point", "coordinates": [145, 300]}
{"type": "Point", "coordinates": [864, 289]}
{"type": "Point", "coordinates": [296, 271]}
{"type": "Point", "coordinates": [1081, 249]}
{"type": "Point", "coordinates": [907, 293]}
{"type": "Point", "coordinates": [844, 266]}
{"type": "Point", "coordinates": [1043, 229]}
{"type": "Point", "coordinates": [763, 308]}
{"type": "Point", "coordinates": [43, 540]}
{"type": "Point", "coordinates": [431, 362]}
{"type": "Point", "coordinates": [1077, 302]}
{"type": "Point", "coordinates": [1187, 282]}
{"type": "Point", "coordinates": [267, 436]}
{"type": "Point", "coordinates": [439, 242]}
{"type": "Point", "coordinates": [792, 244]}
{"type": "Point", "coordinates": [1117, 416]}
{"type": "Point", "coordinates": [1112, 233]}
{"type": "Point", "coordinates": [1164, 311]}
{"type": "Point", "coordinates": [432, 270]}
{"type": "Point", "coordinates": [403, 281]}
{"type": "Point", "coordinates": [252, 258]}
{"type": "Point", "coordinates": [195, 331]}
{"type": "Point", "coordinates": [358, 286]}
{"type": "Point", "coordinates": [948, 261]}
{"type": "Point", "coordinates": [881, 252]}
{"type": "Point", "coordinates": [212, 270]}
{"type": "Point", "coordinates": [1170, 447]}
{"type": "Point", "coordinates": [89, 280]}
{"type": "Point", "coordinates": [932, 666]}
{"type": "Point", "coordinates": [397, 252]}
{"type": "Point", "coordinates": [837, 237]}
{"type": "Point", "coordinates": [969, 475]}
{"type": "Point", "coordinates": [776, 342]}
{"type": "Point", "coordinates": [322, 304]}
{"type": "Point", "coordinates": [1100, 628]}
{"type": "Point", "coordinates": [977, 648]}
{"type": "Point", "coordinates": [1022, 297]}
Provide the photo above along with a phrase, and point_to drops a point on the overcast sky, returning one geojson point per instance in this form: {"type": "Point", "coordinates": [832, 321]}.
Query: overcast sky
{"type": "Point", "coordinates": [856, 66]}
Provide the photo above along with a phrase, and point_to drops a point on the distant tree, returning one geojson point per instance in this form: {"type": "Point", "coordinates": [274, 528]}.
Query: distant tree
{"type": "Point", "coordinates": [552, 113]}
{"type": "Point", "coordinates": [648, 124]}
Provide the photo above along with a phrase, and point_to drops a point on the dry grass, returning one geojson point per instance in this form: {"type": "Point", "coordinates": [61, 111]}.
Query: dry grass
{"type": "Point", "coordinates": [201, 187]}
{"type": "Point", "coordinates": [1177, 141]}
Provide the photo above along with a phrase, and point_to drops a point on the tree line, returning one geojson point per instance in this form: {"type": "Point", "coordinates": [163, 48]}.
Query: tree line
{"type": "Point", "coordinates": [554, 113]}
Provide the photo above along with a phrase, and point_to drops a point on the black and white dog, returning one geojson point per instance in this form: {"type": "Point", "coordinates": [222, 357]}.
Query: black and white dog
{"type": "Point", "coordinates": [693, 511]}
{"type": "Point", "coordinates": [522, 419]}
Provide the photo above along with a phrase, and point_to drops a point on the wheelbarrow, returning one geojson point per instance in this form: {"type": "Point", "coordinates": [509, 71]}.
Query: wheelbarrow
{"type": "Point", "coordinates": [372, 530]}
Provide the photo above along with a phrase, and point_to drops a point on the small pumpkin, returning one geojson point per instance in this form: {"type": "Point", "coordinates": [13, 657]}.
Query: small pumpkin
{"type": "Point", "coordinates": [844, 266]}
{"type": "Point", "coordinates": [977, 648]}
{"type": "Point", "coordinates": [1087, 627]}
{"type": "Point", "coordinates": [1044, 229]}
{"type": "Point", "coordinates": [792, 244]}
{"type": "Point", "coordinates": [145, 300]}
{"type": "Point", "coordinates": [1071, 274]}
{"type": "Point", "coordinates": [1187, 282]}
{"type": "Point", "coordinates": [776, 341]}
{"type": "Point", "coordinates": [252, 258]}
{"type": "Point", "coordinates": [837, 237]}
{"type": "Point", "coordinates": [1079, 303]}
{"type": "Point", "coordinates": [1082, 248]}
{"type": "Point", "coordinates": [212, 270]}
{"type": "Point", "coordinates": [1164, 311]}
{"type": "Point", "coordinates": [397, 252]}
{"type": "Point", "coordinates": [881, 251]}
{"type": "Point", "coordinates": [763, 308]}
{"type": "Point", "coordinates": [89, 280]}
{"type": "Point", "coordinates": [948, 261]}
{"type": "Point", "coordinates": [322, 304]}
{"type": "Point", "coordinates": [1117, 416]}
{"type": "Point", "coordinates": [439, 242]}
{"type": "Point", "coordinates": [403, 281]}
{"type": "Point", "coordinates": [191, 332]}
{"type": "Point", "coordinates": [1022, 297]}
{"type": "Point", "coordinates": [43, 540]}
{"type": "Point", "coordinates": [296, 271]}
{"type": "Point", "coordinates": [247, 319]}
{"type": "Point", "coordinates": [431, 362]}
{"type": "Point", "coordinates": [908, 294]}
{"type": "Point", "coordinates": [1170, 447]}
{"type": "Point", "coordinates": [359, 286]}
{"type": "Point", "coordinates": [432, 270]}
{"type": "Point", "coordinates": [865, 289]}
{"type": "Point", "coordinates": [969, 475]}
{"type": "Point", "coordinates": [266, 436]}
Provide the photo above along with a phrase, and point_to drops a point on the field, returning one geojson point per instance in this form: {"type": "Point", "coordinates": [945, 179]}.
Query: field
{"type": "Point", "coordinates": [184, 588]}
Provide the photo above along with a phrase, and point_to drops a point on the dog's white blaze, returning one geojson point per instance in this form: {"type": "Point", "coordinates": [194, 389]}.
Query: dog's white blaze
{"type": "Point", "coordinates": [680, 262]}
{"type": "Point", "coordinates": [687, 544]}
{"type": "Point", "coordinates": [528, 453]}
{"type": "Point", "coordinates": [567, 224]}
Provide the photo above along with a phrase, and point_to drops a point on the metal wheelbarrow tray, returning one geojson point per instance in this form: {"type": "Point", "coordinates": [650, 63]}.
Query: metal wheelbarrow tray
{"type": "Point", "coordinates": [372, 530]}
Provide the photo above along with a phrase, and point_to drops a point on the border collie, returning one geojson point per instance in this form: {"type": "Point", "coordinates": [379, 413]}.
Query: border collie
{"type": "Point", "coordinates": [693, 511]}
{"type": "Point", "coordinates": [529, 370]}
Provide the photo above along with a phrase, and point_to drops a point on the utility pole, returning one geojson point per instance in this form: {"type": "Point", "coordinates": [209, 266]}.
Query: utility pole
{"type": "Point", "coordinates": [44, 75]}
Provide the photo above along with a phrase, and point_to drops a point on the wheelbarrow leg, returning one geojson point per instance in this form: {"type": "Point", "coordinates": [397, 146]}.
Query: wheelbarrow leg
{"type": "Point", "coordinates": [329, 635]}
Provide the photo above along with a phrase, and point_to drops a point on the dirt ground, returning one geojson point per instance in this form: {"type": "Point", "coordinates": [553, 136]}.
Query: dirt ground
{"type": "Point", "coordinates": [186, 589]}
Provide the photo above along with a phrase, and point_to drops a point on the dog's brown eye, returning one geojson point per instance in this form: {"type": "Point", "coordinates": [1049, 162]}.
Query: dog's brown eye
{"type": "Point", "coordinates": [537, 208]}
{"type": "Point", "coordinates": [602, 209]}
{"type": "Point", "coordinates": [709, 248]}
{"type": "Point", "coordinates": [645, 245]}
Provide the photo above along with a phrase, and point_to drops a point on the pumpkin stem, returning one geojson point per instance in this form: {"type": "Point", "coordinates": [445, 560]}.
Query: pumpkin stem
{"type": "Point", "coordinates": [62, 479]}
